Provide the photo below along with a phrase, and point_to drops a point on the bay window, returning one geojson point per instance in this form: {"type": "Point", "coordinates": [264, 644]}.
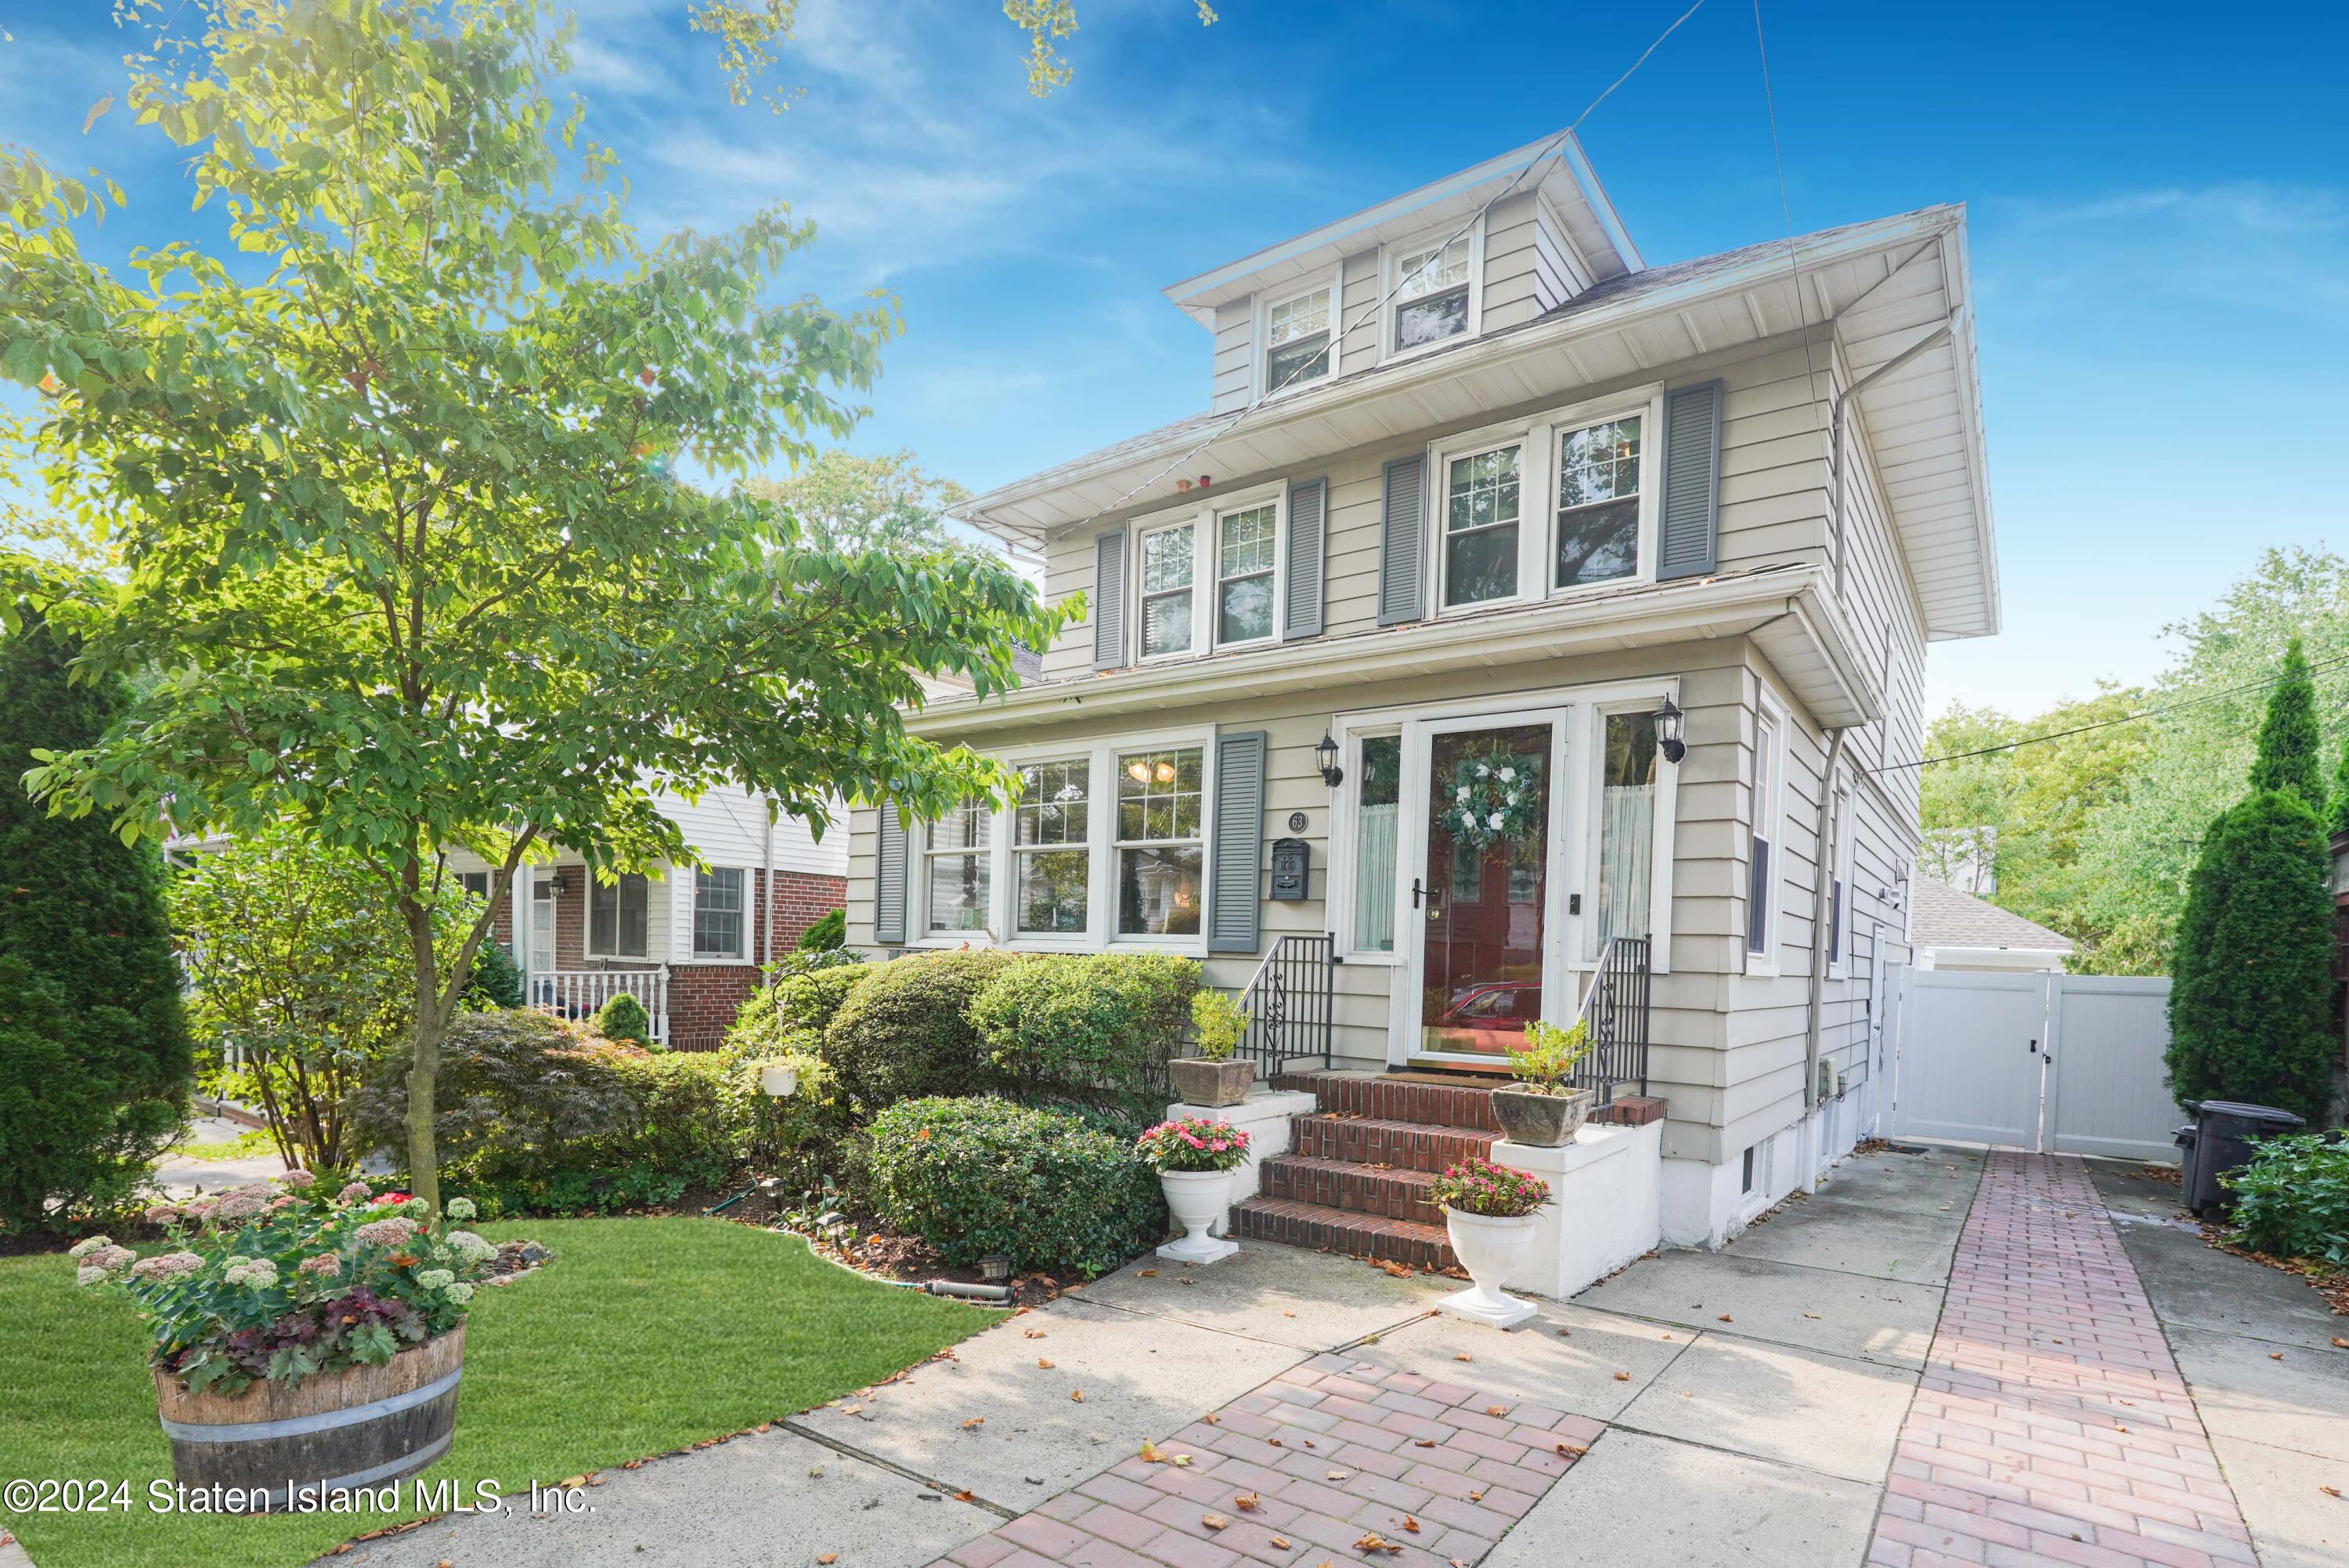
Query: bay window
{"type": "Point", "coordinates": [1298, 336]}
{"type": "Point", "coordinates": [1166, 586]}
{"type": "Point", "coordinates": [1599, 502]}
{"type": "Point", "coordinates": [956, 872]}
{"type": "Point", "coordinates": [1052, 862]}
{"type": "Point", "coordinates": [1480, 527]}
{"type": "Point", "coordinates": [1245, 558]}
{"type": "Point", "coordinates": [1161, 846]}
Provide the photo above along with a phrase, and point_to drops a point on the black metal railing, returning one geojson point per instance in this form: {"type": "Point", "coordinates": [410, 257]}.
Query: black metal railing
{"type": "Point", "coordinates": [1617, 1008]}
{"type": "Point", "coordinates": [1292, 1006]}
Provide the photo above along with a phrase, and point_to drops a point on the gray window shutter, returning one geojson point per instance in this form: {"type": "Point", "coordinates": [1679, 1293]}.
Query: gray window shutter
{"type": "Point", "coordinates": [1402, 528]}
{"type": "Point", "coordinates": [1308, 506]}
{"type": "Point", "coordinates": [1233, 908]}
{"type": "Point", "coordinates": [889, 878]}
{"type": "Point", "coordinates": [1689, 543]}
{"type": "Point", "coordinates": [1109, 601]}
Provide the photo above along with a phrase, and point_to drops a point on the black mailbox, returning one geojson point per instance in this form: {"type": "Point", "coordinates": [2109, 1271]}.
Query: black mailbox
{"type": "Point", "coordinates": [1292, 866]}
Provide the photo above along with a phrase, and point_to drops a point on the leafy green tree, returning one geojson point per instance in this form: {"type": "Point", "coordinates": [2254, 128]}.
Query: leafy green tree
{"type": "Point", "coordinates": [398, 496]}
{"type": "Point", "coordinates": [302, 978]}
{"type": "Point", "coordinates": [94, 1057]}
{"type": "Point", "coordinates": [2338, 813]}
{"type": "Point", "coordinates": [852, 503]}
{"type": "Point", "coordinates": [2250, 999]}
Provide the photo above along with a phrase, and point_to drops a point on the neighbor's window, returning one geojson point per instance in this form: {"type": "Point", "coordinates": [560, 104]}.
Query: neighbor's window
{"type": "Point", "coordinates": [1244, 567]}
{"type": "Point", "coordinates": [1052, 868]}
{"type": "Point", "coordinates": [1380, 796]}
{"type": "Point", "coordinates": [1627, 828]}
{"type": "Point", "coordinates": [1432, 296]}
{"type": "Point", "coordinates": [1599, 502]}
{"type": "Point", "coordinates": [1160, 851]}
{"type": "Point", "coordinates": [717, 922]}
{"type": "Point", "coordinates": [1166, 574]}
{"type": "Point", "coordinates": [616, 916]}
{"type": "Point", "coordinates": [1480, 527]}
{"type": "Point", "coordinates": [1758, 913]}
{"type": "Point", "coordinates": [475, 883]}
{"type": "Point", "coordinates": [1296, 341]}
{"type": "Point", "coordinates": [957, 880]}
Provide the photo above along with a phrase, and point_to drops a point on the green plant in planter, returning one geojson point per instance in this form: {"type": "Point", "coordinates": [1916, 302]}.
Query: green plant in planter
{"type": "Point", "coordinates": [1219, 1023]}
{"type": "Point", "coordinates": [625, 1018]}
{"type": "Point", "coordinates": [1549, 1055]}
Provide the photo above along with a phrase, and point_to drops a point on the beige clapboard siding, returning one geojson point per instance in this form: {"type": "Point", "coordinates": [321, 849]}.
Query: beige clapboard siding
{"type": "Point", "coordinates": [1232, 372]}
{"type": "Point", "coordinates": [1068, 561]}
{"type": "Point", "coordinates": [1358, 346]}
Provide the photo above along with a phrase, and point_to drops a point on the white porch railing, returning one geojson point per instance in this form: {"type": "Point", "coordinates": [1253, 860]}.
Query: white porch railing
{"type": "Point", "coordinates": [580, 994]}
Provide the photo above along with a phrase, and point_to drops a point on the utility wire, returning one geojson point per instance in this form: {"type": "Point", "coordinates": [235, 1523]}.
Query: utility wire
{"type": "Point", "coordinates": [1239, 416]}
{"type": "Point", "coordinates": [2106, 723]}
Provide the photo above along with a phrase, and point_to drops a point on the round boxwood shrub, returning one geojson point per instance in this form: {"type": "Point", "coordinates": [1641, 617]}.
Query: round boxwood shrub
{"type": "Point", "coordinates": [904, 1030]}
{"type": "Point", "coordinates": [624, 1018]}
{"type": "Point", "coordinates": [981, 1175]}
{"type": "Point", "coordinates": [826, 932]}
{"type": "Point", "coordinates": [1099, 1029]}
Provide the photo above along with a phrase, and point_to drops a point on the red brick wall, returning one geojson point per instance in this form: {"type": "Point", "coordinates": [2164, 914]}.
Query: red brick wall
{"type": "Point", "coordinates": [703, 998]}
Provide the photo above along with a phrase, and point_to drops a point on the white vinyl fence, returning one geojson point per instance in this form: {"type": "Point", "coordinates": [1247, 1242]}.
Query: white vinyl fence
{"type": "Point", "coordinates": [2067, 1063]}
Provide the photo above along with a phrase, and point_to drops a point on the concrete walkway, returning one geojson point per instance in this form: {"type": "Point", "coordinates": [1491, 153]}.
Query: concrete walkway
{"type": "Point", "coordinates": [1697, 1411]}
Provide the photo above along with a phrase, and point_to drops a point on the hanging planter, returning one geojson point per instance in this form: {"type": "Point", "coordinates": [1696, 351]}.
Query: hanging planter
{"type": "Point", "coordinates": [1498, 796]}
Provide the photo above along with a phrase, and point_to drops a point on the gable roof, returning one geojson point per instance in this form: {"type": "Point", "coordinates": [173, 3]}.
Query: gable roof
{"type": "Point", "coordinates": [1944, 917]}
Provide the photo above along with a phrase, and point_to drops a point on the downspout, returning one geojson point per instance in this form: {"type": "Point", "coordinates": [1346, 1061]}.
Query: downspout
{"type": "Point", "coordinates": [767, 895]}
{"type": "Point", "coordinates": [1822, 881]}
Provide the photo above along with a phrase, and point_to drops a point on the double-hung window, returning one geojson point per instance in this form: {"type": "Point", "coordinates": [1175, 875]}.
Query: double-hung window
{"type": "Point", "coordinates": [956, 874]}
{"type": "Point", "coordinates": [1246, 553]}
{"type": "Point", "coordinates": [617, 916]}
{"type": "Point", "coordinates": [1432, 294]}
{"type": "Point", "coordinates": [1599, 502]}
{"type": "Point", "coordinates": [1161, 842]}
{"type": "Point", "coordinates": [1167, 574]}
{"type": "Point", "coordinates": [1761, 874]}
{"type": "Point", "coordinates": [1480, 526]}
{"type": "Point", "coordinates": [717, 913]}
{"type": "Point", "coordinates": [1296, 335]}
{"type": "Point", "coordinates": [1053, 867]}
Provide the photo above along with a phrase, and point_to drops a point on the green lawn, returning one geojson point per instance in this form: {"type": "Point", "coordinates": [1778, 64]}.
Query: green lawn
{"type": "Point", "coordinates": [642, 1335]}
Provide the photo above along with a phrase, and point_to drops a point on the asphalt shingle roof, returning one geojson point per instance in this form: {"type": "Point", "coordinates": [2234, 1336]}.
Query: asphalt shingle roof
{"type": "Point", "coordinates": [1944, 917]}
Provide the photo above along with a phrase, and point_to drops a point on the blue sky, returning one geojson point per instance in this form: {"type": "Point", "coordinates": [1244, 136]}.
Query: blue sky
{"type": "Point", "coordinates": [2158, 206]}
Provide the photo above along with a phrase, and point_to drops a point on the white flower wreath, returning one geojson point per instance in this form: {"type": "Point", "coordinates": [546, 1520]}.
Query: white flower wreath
{"type": "Point", "coordinates": [1493, 797]}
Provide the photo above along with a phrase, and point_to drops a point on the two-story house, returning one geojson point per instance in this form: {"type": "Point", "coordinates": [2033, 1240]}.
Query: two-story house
{"type": "Point", "coordinates": [1551, 612]}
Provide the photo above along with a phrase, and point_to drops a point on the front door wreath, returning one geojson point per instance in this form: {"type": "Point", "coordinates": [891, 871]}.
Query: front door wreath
{"type": "Point", "coordinates": [1496, 796]}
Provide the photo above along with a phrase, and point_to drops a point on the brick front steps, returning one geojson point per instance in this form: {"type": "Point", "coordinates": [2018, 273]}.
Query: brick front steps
{"type": "Point", "coordinates": [1326, 1455]}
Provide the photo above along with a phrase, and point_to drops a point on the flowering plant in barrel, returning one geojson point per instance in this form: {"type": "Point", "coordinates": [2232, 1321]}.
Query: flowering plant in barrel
{"type": "Point", "coordinates": [282, 1281]}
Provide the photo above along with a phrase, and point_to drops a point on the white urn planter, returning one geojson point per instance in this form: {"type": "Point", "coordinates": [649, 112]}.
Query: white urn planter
{"type": "Point", "coordinates": [1489, 1247]}
{"type": "Point", "coordinates": [1199, 1199]}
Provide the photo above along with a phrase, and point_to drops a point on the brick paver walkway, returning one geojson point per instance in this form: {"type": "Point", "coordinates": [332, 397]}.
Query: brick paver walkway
{"type": "Point", "coordinates": [2051, 1424]}
{"type": "Point", "coordinates": [1313, 1463]}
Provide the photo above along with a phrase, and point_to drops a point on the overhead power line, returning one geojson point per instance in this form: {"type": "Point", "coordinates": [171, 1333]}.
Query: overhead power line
{"type": "Point", "coordinates": [2106, 723]}
{"type": "Point", "coordinates": [1240, 416]}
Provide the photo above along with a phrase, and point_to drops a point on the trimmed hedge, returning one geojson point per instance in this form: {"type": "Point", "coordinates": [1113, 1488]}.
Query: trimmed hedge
{"type": "Point", "coordinates": [1098, 1028]}
{"type": "Point", "coordinates": [904, 1031]}
{"type": "Point", "coordinates": [976, 1176]}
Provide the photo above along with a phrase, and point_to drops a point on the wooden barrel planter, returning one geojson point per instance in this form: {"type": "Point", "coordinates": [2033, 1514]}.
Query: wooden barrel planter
{"type": "Point", "coordinates": [363, 1426]}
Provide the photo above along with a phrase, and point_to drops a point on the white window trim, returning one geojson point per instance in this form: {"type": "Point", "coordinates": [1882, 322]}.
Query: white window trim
{"type": "Point", "coordinates": [1532, 478]}
{"type": "Point", "coordinates": [1202, 557]}
{"type": "Point", "coordinates": [1391, 257]}
{"type": "Point", "coordinates": [1769, 710]}
{"type": "Point", "coordinates": [1575, 850]}
{"type": "Point", "coordinates": [587, 933]}
{"type": "Point", "coordinates": [1592, 783]}
{"type": "Point", "coordinates": [1648, 404]}
{"type": "Point", "coordinates": [1841, 825]}
{"type": "Point", "coordinates": [1334, 281]}
{"type": "Point", "coordinates": [1100, 934]}
{"type": "Point", "coordinates": [749, 913]}
{"type": "Point", "coordinates": [1277, 497]}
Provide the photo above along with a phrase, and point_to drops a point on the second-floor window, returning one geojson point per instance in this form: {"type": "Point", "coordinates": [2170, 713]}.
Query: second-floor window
{"type": "Point", "coordinates": [1431, 294]}
{"type": "Point", "coordinates": [1296, 341]}
{"type": "Point", "coordinates": [1245, 565]}
{"type": "Point", "coordinates": [1480, 527]}
{"type": "Point", "coordinates": [1599, 502]}
{"type": "Point", "coordinates": [1166, 583]}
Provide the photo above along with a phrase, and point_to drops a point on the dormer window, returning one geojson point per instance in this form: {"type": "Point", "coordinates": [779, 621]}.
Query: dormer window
{"type": "Point", "coordinates": [1297, 340]}
{"type": "Point", "coordinates": [1432, 294]}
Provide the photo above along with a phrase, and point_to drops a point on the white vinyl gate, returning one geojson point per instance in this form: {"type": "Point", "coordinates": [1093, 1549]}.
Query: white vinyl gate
{"type": "Point", "coordinates": [2071, 1063]}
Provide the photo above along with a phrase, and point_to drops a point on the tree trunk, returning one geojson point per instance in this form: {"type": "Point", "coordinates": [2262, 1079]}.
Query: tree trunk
{"type": "Point", "coordinates": [424, 1067]}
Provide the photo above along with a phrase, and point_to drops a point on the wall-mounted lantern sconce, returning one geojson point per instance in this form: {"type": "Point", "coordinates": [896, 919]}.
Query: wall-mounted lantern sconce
{"type": "Point", "coordinates": [1668, 730]}
{"type": "Point", "coordinates": [1325, 756]}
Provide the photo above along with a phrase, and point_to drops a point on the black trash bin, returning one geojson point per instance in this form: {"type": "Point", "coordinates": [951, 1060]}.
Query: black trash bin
{"type": "Point", "coordinates": [2226, 1135]}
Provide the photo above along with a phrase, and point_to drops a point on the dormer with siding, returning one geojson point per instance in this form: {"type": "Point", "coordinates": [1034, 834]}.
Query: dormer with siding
{"type": "Point", "coordinates": [1743, 492]}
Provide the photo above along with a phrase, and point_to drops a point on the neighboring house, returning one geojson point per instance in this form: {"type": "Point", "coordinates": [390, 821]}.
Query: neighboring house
{"type": "Point", "coordinates": [1514, 497]}
{"type": "Point", "coordinates": [1950, 929]}
{"type": "Point", "coordinates": [687, 943]}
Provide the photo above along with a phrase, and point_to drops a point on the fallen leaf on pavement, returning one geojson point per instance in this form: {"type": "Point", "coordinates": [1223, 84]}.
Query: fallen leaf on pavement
{"type": "Point", "coordinates": [1496, 1410]}
{"type": "Point", "coordinates": [1337, 1475]}
{"type": "Point", "coordinates": [1726, 1318]}
{"type": "Point", "coordinates": [1562, 1333]}
{"type": "Point", "coordinates": [966, 1495]}
{"type": "Point", "coordinates": [1215, 1521]}
{"type": "Point", "coordinates": [1212, 1419]}
{"type": "Point", "coordinates": [1151, 1454]}
{"type": "Point", "coordinates": [1411, 1524]}
{"type": "Point", "coordinates": [1372, 1541]}
{"type": "Point", "coordinates": [1033, 1333]}
{"type": "Point", "coordinates": [1622, 1376]}
{"type": "Point", "coordinates": [1464, 1355]}
{"type": "Point", "coordinates": [1246, 1501]}
{"type": "Point", "coordinates": [2339, 1343]}
{"type": "Point", "coordinates": [1182, 1461]}
{"type": "Point", "coordinates": [816, 1470]}
{"type": "Point", "coordinates": [1047, 1366]}
{"type": "Point", "coordinates": [1475, 1497]}
{"type": "Point", "coordinates": [1146, 1273]}
{"type": "Point", "coordinates": [827, 1557]}
{"type": "Point", "coordinates": [1281, 1543]}
{"type": "Point", "coordinates": [974, 1422]}
{"type": "Point", "coordinates": [1423, 1442]}
{"type": "Point", "coordinates": [1077, 1396]}
{"type": "Point", "coordinates": [2275, 1354]}
{"type": "Point", "coordinates": [1812, 1315]}
{"type": "Point", "coordinates": [2330, 1491]}
{"type": "Point", "coordinates": [1275, 1442]}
